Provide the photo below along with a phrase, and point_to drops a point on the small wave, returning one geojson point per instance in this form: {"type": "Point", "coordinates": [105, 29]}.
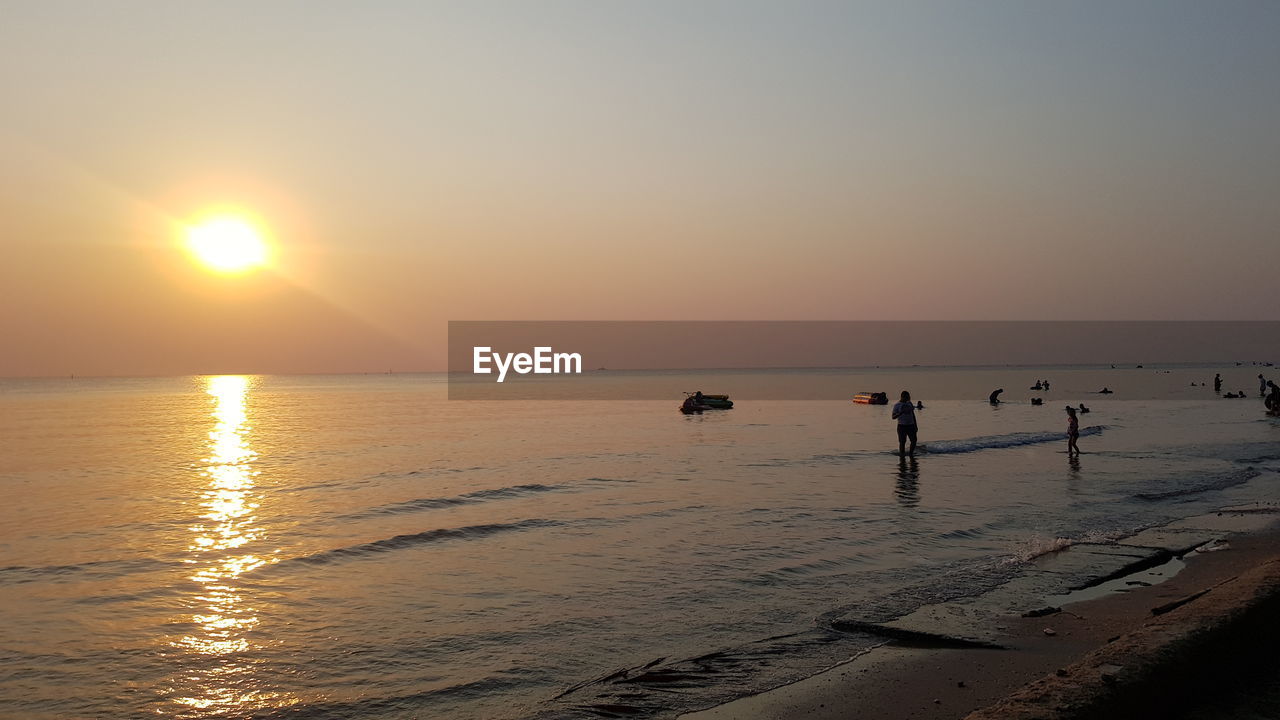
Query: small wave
{"type": "Point", "coordinates": [1039, 547]}
{"type": "Point", "coordinates": [408, 704]}
{"type": "Point", "coordinates": [1210, 484]}
{"type": "Point", "coordinates": [400, 542]}
{"type": "Point", "coordinates": [937, 447]}
{"type": "Point", "coordinates": [666, 686]}
{"type": "Point", "coordinates": [992, 442]}
{"type": "Point", "coordinates": [94, 570]}
{"type": "Point", "coordinates": [969, 533]}
{"type": "Point", "coordinates": [440, 502]}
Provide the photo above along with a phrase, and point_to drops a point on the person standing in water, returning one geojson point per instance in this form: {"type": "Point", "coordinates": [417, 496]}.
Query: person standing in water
{"type": "Point", "coordinates": [905, 413]}
{"type": "Point", "coordinates": [1073, 431]}
{"type": "Point", "coordinates": [1262, 386]}
{"type": "Point", "coordinates": [995, 396]}
{"type": "Point", "coordinates": [1217, 382]}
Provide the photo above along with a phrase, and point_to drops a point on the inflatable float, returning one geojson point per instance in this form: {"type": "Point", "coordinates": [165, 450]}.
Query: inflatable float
{"type": "Point", "coordinates": [871, 398]}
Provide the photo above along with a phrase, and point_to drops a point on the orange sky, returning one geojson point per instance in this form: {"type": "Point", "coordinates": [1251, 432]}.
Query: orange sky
{"type": "Point", "coordinates": [420, 163]}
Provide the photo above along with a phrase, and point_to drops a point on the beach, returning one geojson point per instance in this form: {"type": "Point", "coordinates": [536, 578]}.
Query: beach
{"type": "Point", "coordinates": [1127, 650]}
{"type": "Point", "coordinates": [325, 546]}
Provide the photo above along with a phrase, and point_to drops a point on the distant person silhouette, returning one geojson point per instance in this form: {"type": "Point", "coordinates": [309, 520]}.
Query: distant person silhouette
{"type": "Point", "coordinates": [1105, 391]}
{"type": "Point", "coordinates": [1217, 383]}
{"type": "Point", "coordinates": [1073, 431]}
{"type": "Point", "coordinates": [995, 396]}
{"type": "Point", "coordinates": [905, 413]}
{"type": "Point", "coordinates": [919, 405]}
{"type": "Point", "coordinates": [1262, 385]}
{"type": "Point", "coordinates": [1083, 409]}
{"type": "Point", "coordinates": [1272, 402]}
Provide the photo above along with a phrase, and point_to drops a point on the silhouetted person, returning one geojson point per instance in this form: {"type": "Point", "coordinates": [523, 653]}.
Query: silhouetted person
{"type": "Point", "coordinates": [1217, 383]}
{"type": "Point", "coordinates": [919, 405]}
{"type": "Point", "coordinates": [905, 413]}
{"type": "Point", "coordinates": [1073, 431]}
{"type": "Point", "coordinates": [995, 396]}
{"type": "Point", "coordinates": [1272, 402]}
{"type": "Point", "coordinates": [1083, 409]}
{"type": "Point", "coordinates": [1262, 385]}
{"type": "Point", "coordinates": [1105, 391]}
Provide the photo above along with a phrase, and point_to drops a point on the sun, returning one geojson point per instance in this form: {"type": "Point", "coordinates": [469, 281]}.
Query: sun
{"type": "Point", "coordinates": [228, 244]}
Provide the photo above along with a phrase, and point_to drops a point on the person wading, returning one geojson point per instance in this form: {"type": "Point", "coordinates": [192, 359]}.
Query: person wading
{"type": "Point", "coordinates": [905, 413]}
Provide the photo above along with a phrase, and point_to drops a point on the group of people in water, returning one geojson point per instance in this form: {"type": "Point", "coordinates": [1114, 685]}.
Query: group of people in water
{"type": "Point", "coordinates": [1267, 390]}
{"type": "Point", "coordinates": [994, 397]}
{"type": "Point", "coordinates": [908, 429]}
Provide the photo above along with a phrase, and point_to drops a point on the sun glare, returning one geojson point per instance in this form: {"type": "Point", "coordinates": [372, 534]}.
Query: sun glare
{"type": "Point", "coordinates": [227, 245]}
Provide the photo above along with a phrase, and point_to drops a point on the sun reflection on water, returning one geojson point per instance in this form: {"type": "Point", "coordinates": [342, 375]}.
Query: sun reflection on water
{"type": "Point", "coordinates": [221, 679]}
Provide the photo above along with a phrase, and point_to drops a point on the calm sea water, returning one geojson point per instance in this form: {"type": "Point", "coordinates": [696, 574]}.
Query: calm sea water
{"type": "Point", "coordinates": [362, 547]}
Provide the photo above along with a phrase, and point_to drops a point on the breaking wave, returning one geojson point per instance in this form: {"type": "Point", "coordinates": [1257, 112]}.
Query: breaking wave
{"type": "Point", "coordinates": [991, 442]}
{"type": "Point", "coordinates": [470, 498]}
{"type": "Point", "coordinates": [400, 542]}
{"type": "Point", "coordinates": [1201, 485]}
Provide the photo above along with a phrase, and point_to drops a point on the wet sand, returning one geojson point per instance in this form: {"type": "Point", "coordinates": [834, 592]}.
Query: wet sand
{"type": "Point", "coordinates": [906, 679]}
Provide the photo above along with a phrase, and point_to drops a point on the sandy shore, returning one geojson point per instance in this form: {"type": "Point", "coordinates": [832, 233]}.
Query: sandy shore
{"type": "Point", "coordinates": [1062, 663]}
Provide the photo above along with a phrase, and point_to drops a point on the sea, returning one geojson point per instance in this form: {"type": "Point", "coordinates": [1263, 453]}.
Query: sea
{"type": "Point", "coordinates": [360, 546]}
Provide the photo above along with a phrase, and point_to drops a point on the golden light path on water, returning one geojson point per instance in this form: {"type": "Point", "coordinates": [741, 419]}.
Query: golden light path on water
{"type": "Point", "coordinates": [223, 615]}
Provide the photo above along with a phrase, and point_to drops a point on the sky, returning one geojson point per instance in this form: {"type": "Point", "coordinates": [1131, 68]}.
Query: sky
{"type": "Point", "coordinates": [414, 163]}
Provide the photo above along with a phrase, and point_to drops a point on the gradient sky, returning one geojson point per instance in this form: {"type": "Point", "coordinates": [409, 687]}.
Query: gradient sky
{"type": "Point", "coordinates": [420, 162]}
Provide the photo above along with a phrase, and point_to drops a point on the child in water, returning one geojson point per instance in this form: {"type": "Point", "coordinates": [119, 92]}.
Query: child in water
{"type": "Point", "coordinates": [1073, 431]}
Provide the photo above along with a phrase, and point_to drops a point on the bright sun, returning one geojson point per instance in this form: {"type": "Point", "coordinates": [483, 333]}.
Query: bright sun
{"type": "Point", "coordinates": [227, 244]}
